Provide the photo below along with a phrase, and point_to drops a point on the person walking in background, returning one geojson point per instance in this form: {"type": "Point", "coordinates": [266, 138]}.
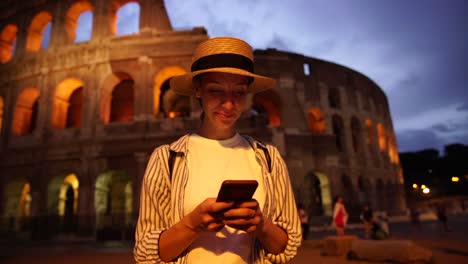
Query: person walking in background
{"type": "Point", "coordinates": [442, 217]}
{"type": "Point", "coordinates": [180, 219]}
{"type": "Point", "coordinates": [304, 220]}
{"type": "Point", "coordinates": [340, 216]}
{"type": "Point", "coordinates": [367, 218]}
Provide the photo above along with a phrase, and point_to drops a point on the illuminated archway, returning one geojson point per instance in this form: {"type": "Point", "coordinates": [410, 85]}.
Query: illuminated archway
{"type": "Point", "coordinates": [26, 110]}
{"type": "Point", "coordinates": [382, 137]}
{"type": "Point", "coordinates": [36, 31]}
{"type": "Point", "coordinates": [63, 193]}
{"type": "Point", "coordinates": [114, 18]}
{"type": "Point", "coordinates": [113, 199]}
{"type": "Point", "coordinates": [321, 199]}
{"type": "Point", "coordinates": [8, 42]}
{"type": "Point", "coordinates": [73, 16]}
{"type": "Point", "coordinates": [316, 121]}
{"type": "Point", "coordinates": [17, 204]}
{"type": "Point", "coordinates": [269, 103]}
{"type": "Point", "coordinates": [166, 102]}
{"type": "Point", "coordinates": [127, 18]}
{"type": "Point", "coordinates": [117, 98]}
{"type": "Point", "coordinates": [356, 134]}
{"type": "Point", "coordinates": [68, 104]}
{"type": "Point", "coordinates": [338, 131]}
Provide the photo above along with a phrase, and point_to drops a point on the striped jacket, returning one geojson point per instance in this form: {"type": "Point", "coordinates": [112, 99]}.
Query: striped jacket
{"type": "Point", "coordinates": [162, 201]}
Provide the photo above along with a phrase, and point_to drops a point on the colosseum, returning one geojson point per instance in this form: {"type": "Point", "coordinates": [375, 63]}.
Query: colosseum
{"type": "Point", "coordinates": [79, 120]}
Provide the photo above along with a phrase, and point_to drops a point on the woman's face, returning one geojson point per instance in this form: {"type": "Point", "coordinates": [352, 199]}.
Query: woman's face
{"type": "Point", "coordinates": [223, 97]}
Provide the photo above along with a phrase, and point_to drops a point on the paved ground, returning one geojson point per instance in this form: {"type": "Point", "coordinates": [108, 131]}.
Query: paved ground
{"type": "Point", "coordinates": [447, 247]}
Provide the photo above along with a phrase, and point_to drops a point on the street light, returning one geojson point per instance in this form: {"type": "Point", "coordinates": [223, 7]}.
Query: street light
{"type": "Point", "coordinates": [415, 186]}
{"type": "Point", "coordinates": [455, 179]}
{"type": "Point", "coordinates": [423, 187]}
{"type": "Point", "coordinates": [426, 190]}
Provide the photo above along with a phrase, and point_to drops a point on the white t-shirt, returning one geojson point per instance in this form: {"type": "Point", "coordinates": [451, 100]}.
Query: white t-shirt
{"type": "Point", "coordinates": [210, 162]}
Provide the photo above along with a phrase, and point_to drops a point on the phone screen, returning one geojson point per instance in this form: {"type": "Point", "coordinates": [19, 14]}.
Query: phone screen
{"type": "Point", "coordinates": [236, 190]}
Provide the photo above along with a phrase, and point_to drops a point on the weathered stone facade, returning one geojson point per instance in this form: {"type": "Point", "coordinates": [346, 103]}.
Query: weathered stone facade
{"type": "Point", "coordinates": [79, 121]}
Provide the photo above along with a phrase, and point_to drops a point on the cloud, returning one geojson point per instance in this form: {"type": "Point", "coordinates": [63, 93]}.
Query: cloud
{"type": "Point", "coordinates": [413, 140]}
{"type": "Point", "coordinates": [463, 107]}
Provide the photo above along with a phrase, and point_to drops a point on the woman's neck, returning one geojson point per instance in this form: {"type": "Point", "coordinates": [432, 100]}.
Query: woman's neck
{"type": "Point", "coordinates": [215, 133]}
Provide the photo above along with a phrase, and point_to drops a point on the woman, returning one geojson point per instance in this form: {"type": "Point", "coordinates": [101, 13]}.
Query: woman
{"type": "Point", "coordinates": [340, 216]}
{"type": "Point", "coordinates": [180, 220]}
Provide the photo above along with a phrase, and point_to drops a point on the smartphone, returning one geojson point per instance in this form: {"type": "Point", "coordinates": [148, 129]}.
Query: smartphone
{"type": "Point", "coordinates": [236, 190]}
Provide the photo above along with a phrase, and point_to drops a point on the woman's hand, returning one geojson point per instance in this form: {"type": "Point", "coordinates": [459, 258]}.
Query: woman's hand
{"type": "Point", "coordinates": [245, 216]}
{"type": "Point", "coordinates": [207, 216]}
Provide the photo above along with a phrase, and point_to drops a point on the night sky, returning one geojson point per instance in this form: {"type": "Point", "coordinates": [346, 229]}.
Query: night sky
{"type": "Point", "coordinates": [416, 51]}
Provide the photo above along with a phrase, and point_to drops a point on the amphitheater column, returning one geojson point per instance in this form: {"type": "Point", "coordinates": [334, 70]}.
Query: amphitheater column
{"type": "Point", "coordinates": [101, 20]}
{"type": "Point", "coordinates": [144, 89]}
{"type": "Point", "coordinates": [153, 14]}
{"type": "Point", "coordinates": [58, 35]}
{"type": "Point", "coordinates": [141, 160]}
{"type": "Point", "coordinates": [39, 211]}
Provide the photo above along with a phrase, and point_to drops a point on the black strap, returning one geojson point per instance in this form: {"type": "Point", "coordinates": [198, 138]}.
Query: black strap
{"type": "Point", "coordinates": [267, 156]}
{"type": "Point", "coordinates": [172, 156]}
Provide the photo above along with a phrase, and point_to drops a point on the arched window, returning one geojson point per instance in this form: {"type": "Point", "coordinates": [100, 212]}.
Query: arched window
{"type": "Point", "coordinates": [268, 103]}
{"type": "Point", "coordinates": [37, 32]}
{"type": "Point", "coordinates": [316, 121]}
{"type": "Point", "coordinates": [334, 98]}
{"type": "Point", "coordinates": [370, 132]}
{"type": "Point", "coordinates": [68, 104]}
{"type": "Point", "coordinates": [382, 137]}
{"type": "Point", "coordinates": [166, 102]}
{"type": "Point", "coordinates": [356, 134]}
{"type": "Point", "coordinates": [122, 102]}
{"type": "Point", "coordinates": [338, 131]}
{"type": "Point", "coordinates": [8, 42]}
{"type": "Point", "coordinates": [128, 19]}
{"type": "Point", "coordinates": [26, 110]}
{"type": "Point", "coordinates": [79, 22]}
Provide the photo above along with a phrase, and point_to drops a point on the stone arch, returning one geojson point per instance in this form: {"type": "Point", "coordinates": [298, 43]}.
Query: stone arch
{"type": "Point", "coordinates": [320, 195]}
{"type": "Point", "coordinates": [382, 137]}
{"type": "Point", "coordinates": [370, 135]}
{"type": "Point", "coordinates": [62, 201]}
{"type": "Point", "coordinates": [334, 100]}
{"type": "Point", "coordinates": [25, 113]}
{"type": "Point", "coordinates": [73, 14]}
{"type": "Point", "coordinates": [68, 104]}
{"type": "Point", "coordinates": [117, 104]}
{"type": "Point", "coordinates": [36, 31]}
{"type": "Point", "coordinates": [113, 199]}
{"type": "Point", "coordinates": [17, 204]}
{"type": "Point", "coordinates": [316, 121]}
{"type": "Point", "coordinates": [166, 102]}
{"type": "Point", "coordinates": [339, 132]}
{"type": "Point", "coordinates": [365, 190]}
{"type": "Point", "coordinates": [2, 105]}
{"type": "Point", "coordinates": [116, 5]}
{"type": "Point", "coordinates": [356, 134]}
{"type": "Point", "coordinates": [128, 14]}
{"type": "Point", "coordinates": [268, 103]}
{"type": "Point", "coordinates": [8, 42]}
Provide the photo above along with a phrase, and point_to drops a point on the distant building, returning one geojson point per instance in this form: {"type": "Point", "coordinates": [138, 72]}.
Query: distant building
{"type": "Point", "coordinates": [79, 120]}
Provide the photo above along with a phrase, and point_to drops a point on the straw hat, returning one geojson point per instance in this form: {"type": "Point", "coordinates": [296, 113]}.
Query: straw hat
{"type": "Point", "coordinates": [222, 54]}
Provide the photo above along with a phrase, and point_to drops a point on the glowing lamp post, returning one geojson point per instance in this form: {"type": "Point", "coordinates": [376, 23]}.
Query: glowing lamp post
{"type": "Point", "coordinates": [455, 179]}
{"type": "Point", "coordinates": [426, 190]}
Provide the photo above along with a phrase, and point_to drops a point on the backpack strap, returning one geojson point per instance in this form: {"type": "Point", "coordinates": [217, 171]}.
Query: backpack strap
{"type": "Point", "coordinates": [171, 161]}
{"type": "Point", "coordinates": [267, 156]}
{"type": "Point", "coordinates": [264, 149]}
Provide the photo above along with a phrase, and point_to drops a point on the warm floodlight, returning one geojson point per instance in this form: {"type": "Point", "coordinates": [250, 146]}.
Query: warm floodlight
{"type": "Point", "coordinates": [426, 190]}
